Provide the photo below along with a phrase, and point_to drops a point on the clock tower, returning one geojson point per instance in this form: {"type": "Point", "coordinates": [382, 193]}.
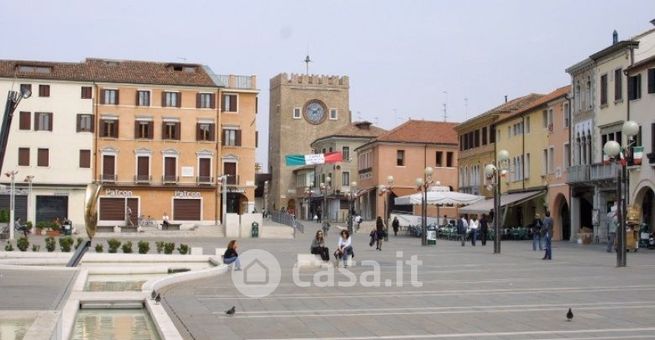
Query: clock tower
{"type": "Point", "coordinates": [302, 108]}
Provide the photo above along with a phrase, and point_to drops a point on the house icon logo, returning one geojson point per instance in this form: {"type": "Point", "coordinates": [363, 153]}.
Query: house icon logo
{"type": "Point", "coordinates": [260, 276]}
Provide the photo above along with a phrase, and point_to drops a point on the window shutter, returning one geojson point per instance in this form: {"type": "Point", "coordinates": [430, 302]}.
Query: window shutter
{"type": "Point", "coordinates": [151, 129]}
{"type": "Point", "coordinates": [50, 122]}
{"type": "Point", "coordinates": [179, 99]}
{"type": "Point", "coordinates": [136, 129]}
{"type": "Point", "coordinates": [163, 99]}
{"type": "Point", "coordinates": [223, 103]}
{"type": "Point", "coordinates": [223, 137]}
{"type": "Point", "coordinates": [78, 127]}
{"type": "Point", "coordinates": [198, 132]}
{"type": "Point", "coordinates": [651, 80]}
{"type": "Point", "coordinates": [115, 129]}
{"type": "Point", "coordinates": [212, 101]}
{"type": "Point", "coordinates": [197, 100]}
{"type": "Point", "coordinates": [163, 131]}
{"type": "Point", "coordinates": [93, 123]}
{"type": "Point", "coordinates": [136, 101]}
{"type": "Point", "coordinates": [117, 99]}
{"type": "Point", "coordinates": [23, 156]}
{"type": "Point", "coordinates": [212, 132]}
{"type": "Point", "coordinates": [178, 131]}
{"type": "Point", "coordinates": [257, 139]}
{"type": "Point", "coordinates": [237, 137]}
{"type": "Point", "coordinates": [24, 120]}
{"type": "Point", "coordinates": [102, 96]}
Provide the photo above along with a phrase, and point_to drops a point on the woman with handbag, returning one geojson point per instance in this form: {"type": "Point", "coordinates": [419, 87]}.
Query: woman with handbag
{"type": "Point", "coordinates": [379, 233]}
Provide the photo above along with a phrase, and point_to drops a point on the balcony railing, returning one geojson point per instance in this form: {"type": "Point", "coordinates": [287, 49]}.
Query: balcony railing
{"type": "Point", "coordinates": [169, 179]}
{"type": "Point", "coordinates": [108, 178]}
{"type": "Point", "coordinates": [232, 180]}
{"type": "Point", "coordinates": [604, 172]}
{"type": "Point", "coordinates": [204, 180]}
{"type": "Point", "coordinates": [143, 179]}
{"type": "Point", "coordinates": [578, 173]}
{"type": "Point", "coordinates": [237, 82]}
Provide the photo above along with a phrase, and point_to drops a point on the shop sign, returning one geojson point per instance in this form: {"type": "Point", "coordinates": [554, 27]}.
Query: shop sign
{"type": "Point", "coordinates": [118, 193]}
{"type": "Point", "coordinates": [187, 194]}
{"type": "Point", "coordinates": [237, 190]}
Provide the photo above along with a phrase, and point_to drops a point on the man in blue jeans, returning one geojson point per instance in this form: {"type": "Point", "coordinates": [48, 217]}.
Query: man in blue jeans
{"type": "Point", "coordinates": [536, 232]}
{"type": "Point", "coordinates": [548, 234]}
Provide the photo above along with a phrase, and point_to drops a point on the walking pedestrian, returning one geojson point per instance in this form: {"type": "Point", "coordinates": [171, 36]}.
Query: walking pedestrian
{"type": "Point", "coordinates": [613, 226]}
{"type": "Point", "coordinates": [318, 246]}
{"type": "Point", "coordinates": [536, 232]}
{"type": "Point", "coordinates": [474, 225]}
{"type": "Point", "coordinates": [548, 235]}
{"type": "Point", "coordinates": [379, 230]}
{"type": "Point", "coordinates": [344, 248]}
{"type": "Point", "coordinates": [318, 215]}
{"type": "Point", "coordinates": [395, 225]}
{"type": "Point", "coordinates": [484, 229]}
{"type": "Point", "coordinates": [462, 227]}
{"type": "Point", "coordinates": [231, 256]}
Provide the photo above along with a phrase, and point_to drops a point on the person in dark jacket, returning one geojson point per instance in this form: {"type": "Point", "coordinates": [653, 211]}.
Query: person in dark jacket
{"type": "Point", "coordinates": [379, 233]}
{"type": "Point", "coordinates": [547, 230]}
{"type": "Point", "coordinates": [536, 233]}
{"type": "Point", "coordinates": [318, 246]}
{"type": "Point", "coordinates": [395, 225]}
{"type": "Point", "coordinates": [484, 229]}
{"type": "Point", "coordinates": [231, 256]}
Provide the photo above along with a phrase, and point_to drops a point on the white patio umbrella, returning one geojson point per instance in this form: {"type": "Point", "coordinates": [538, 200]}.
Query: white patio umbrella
{"type": "Point", "coordinates": [439, 198]}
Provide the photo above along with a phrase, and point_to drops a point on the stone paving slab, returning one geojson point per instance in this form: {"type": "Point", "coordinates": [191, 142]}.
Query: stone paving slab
{"type": "Point", "coordinates": [467, 293]}
{"type": "Point", "coordinates": [33, 289]}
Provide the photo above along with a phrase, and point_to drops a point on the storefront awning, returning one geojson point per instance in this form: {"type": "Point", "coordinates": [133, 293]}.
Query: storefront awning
{"type": "Point", "coordinates": [505, 200]}
{"type": "Point", "coordinates": [403, 191]}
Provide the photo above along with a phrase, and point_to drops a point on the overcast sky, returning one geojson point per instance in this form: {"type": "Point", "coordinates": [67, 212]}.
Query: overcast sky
{"type": "Point", "coordinates": [404, 58]}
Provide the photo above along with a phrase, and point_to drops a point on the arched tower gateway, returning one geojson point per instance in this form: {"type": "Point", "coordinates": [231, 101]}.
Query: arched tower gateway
{"type": "Point", "coordinates": [302, 108]}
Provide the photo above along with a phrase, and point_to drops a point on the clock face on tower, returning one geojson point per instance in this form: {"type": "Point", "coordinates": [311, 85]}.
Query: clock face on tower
{"type": "Point", "coordinates": [315, 111]}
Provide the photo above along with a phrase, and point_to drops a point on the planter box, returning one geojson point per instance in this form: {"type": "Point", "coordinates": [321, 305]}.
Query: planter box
{"type": "Point", "coordinates": [52, 233]}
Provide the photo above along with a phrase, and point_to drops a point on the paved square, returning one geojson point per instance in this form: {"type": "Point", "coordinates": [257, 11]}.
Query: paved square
{"type": "Point", "coordinates": [466, 293]}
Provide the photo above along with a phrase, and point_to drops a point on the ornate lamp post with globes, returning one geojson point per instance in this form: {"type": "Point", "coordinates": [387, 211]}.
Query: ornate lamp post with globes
{"type": "Point", "coordinates": [493, 175]}
{"type": "Point", "coordinates": [325, 187]}
{"type": "Point", "coordinates": [614, 151]}
{"type": "Point", "coordinates": [384, 191]}
{"type": "Point", "coordinates": [423, 185]}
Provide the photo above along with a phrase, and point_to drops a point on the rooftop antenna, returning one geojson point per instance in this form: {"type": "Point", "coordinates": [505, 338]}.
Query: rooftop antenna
{"type": "Point", "coordinates": [466, 108]}
{"type": "Point", "coordinates": [615, 37]}
{"type": "Point", "coordinates": [445, 106]}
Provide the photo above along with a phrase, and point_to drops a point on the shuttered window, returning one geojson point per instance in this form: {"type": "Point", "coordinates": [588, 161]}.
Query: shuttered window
{"type": "Point", "coordinates": [230, 169]}
{"type": "Point", "coordinates": [205, 101]}
{"type": "Point", "coordinates": [44, 90]}
{"type": "Point", "coordinates": [109, 128]}
{"type": "Point", "coordinates": [43, 121]}
{"type": "Point", "coordinates": [231, 137]}
{"type": "Point", "coordinates": [143, 98]}
{"type": "Point", "coordinates": [618, 84]}
{"type": "Point", "coordinates": [109, 97]}
{"type": "Point", "coordinates": [229, 103]}
{"type": "Point", "coordinates": [603, 89]}
{"type": "Point", "coordinates": [170, 169]}
{"type": "Point", "coordinates": [24, 156]}
{"type": "Point", "coordinates": [171, 130]}
{"type": "Point", "coordinates": [108, 167]}
{"type": "Point", "coordinates": [85, 123]}
{"type": "Point", "coordinates": [43, 157]}
{"type": "Point", "coordinates": [25, 120]}
{"type": "Point", "coordinates": [204, 170]}
{"type": "Point", "coordinates": [205, 132]}
{"type": "Point", "coordinates": [171, 99]}
{"type": "Point", "coordinates": [86, 92]}
{"type": "Point", "coordinates": [651, 80]}
{"type": "Point", "coordinates": [143, 129]}
{"type": "Point", "coordinates": [85, 159]}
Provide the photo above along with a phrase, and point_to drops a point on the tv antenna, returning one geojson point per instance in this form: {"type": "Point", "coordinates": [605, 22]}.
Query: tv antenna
{"type": "Point", "coordinates": [445, 106]}
{"type": "Point", "coordinates": [307, 61]}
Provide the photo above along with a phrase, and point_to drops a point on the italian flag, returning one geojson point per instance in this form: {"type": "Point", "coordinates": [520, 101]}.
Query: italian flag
{"type": "Point", "coordinates": [319, 158]}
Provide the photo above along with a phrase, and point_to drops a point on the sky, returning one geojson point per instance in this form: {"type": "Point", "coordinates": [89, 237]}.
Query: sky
{"type": "Point", "coordinates": [405, 59]}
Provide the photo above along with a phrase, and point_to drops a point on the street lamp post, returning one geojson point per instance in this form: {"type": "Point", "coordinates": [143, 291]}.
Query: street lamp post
{"type": "Point", "coordinates": [12, 202]}
{"type": "Point", "coordinates": [493, 174]}
{"type": "Point", "coordinates": [13, 99]}
{"type": "Point", "coordinates": [614, 151]}
{"type": "Point", "coordinates": [324, 188]}
{"type": "Point", "coordinates": [423, 184]}
{"type": "Point", "coordinates": [308, 196]}
{"type": "Point", "coordinates": [28, 180]}
{"type": "Point", "coordinates": [351, 205]}
{"type": "Point", "coordinates": [384, 192]}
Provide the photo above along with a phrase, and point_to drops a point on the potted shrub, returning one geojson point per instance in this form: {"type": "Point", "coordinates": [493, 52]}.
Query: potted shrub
{"type": "Point", "coordinates": [53, 229]}
{"type": "Point", "coordinates": [99, 248]}
{"type": "Point", "coordinates": [144, 247]}
{"type": "Point", "coordinates": [66, 244]}
{"type": "Point", "coordinates": [169, 247]}
{"type": "Point", "coordinates": [160, 246]}
{"type": "Point", "coordinates": [36, 247]}
{"type": "Point", "coordinates": [113, 245]}
{"type": "Point", "coordinates": [4, 216]}
{"type": "Point", "coordinates": [127, 247]}
{"type": "Point", "coordinates": [50, 244]}
{"type": "Point", "coordinates": [78, 242]}
{"type": "Point", "coordinates": [30, 226]}
{"type": "Point", "coordinates": [9, 246]}
{"type": "Point", "coordinates": [183, 249]}
{"type": "Point", "coordinates": [23, 243]}
{"type": "Point", "coordinates": [41, 227]}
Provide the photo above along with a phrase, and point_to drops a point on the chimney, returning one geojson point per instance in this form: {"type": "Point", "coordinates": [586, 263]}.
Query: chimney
{"type": "Point", "coordinates": [505, 98]}
{"type": "Point", "coordinates": [615, 37]}
{"type": "Point", "coordinates": [652, 22]}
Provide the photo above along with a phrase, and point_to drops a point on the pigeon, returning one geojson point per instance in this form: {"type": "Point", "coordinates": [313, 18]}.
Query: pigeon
{"type": "Point", "coordinates": [569, 315]}
{"type": "Point", "coordinates": [231, 311]}
{"type": "Point", "coordinates": [157, 298]}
